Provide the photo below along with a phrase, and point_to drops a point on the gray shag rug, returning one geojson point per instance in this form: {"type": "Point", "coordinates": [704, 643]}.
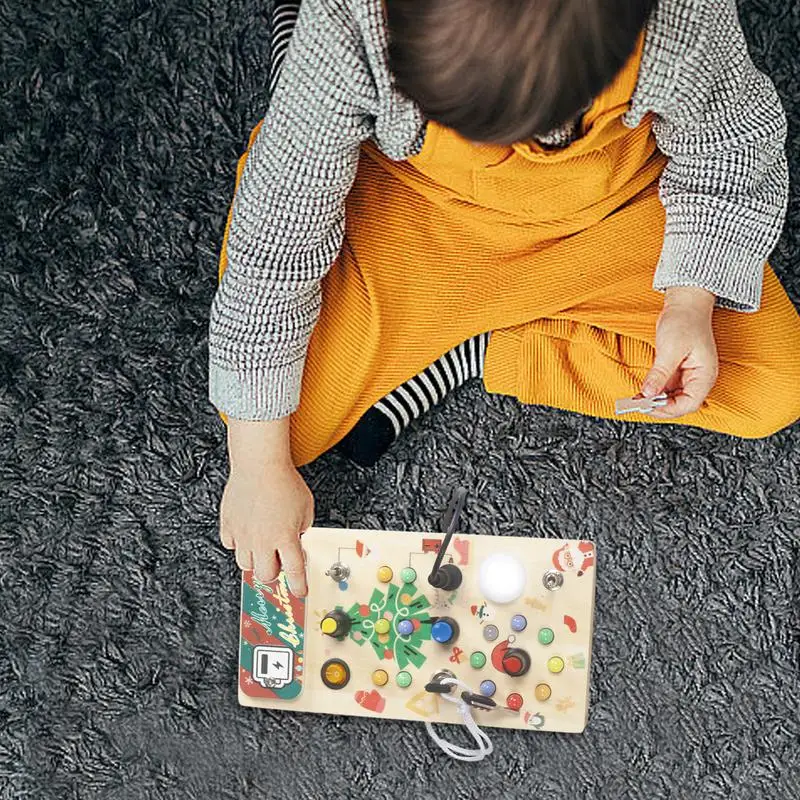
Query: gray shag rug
{"type": "Point", "coordinates": [121, 124]}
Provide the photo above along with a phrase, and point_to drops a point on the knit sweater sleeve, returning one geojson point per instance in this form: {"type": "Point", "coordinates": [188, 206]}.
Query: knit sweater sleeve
{"type": "Point", "coordinates": [725, 187]}
{"type": "Point", "coordinates": [287, 221]}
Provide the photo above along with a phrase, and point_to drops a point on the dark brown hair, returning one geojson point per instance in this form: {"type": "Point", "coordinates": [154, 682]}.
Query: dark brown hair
{"type": "Point", "coordinates": [506, 70]}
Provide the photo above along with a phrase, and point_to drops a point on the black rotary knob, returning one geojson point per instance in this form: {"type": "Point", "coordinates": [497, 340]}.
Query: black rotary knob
{"type": "Point", "coordinates": [516, 662]}
{"type": "Point", "coordinates": [336, 623]}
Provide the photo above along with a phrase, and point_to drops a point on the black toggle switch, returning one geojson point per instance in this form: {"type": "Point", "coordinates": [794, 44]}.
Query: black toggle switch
{"type": "Point", "coordinates": [447, 578]}
{"type": "Point", "coordinates": [478, 700]}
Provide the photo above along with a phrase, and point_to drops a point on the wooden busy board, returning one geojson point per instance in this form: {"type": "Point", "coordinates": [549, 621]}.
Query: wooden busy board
{"type": "Point", "coordinates": [363, 575]}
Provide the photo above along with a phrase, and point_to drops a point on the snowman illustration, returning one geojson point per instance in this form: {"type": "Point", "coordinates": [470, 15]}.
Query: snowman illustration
{"type": "Point", "coordinates": [573, 557]}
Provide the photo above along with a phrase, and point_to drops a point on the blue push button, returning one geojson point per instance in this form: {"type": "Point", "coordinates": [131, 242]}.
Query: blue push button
{"type": "Point", "coordinates": [405, 627]}
{"type": "Point", "coordinates": [442, 632]}
{"type": "Point", "coordinates": [488, 688]}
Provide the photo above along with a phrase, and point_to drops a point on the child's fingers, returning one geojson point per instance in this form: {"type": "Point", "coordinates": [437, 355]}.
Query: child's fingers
{"type": "Point", "coordinates": [226, 536]}
{"type": "Point", "coordinates": [294, 567]}
{"type": "Point", "coordinates": [225, 529]}
{"type": "Point", "coordinates": [266, 566]}
{"type": "Point", "coordinates": [244, 558]}
{"type": "Point", "coordinates": [693, 387]}
{"type": "Point", "coordinates": [662, 373]}
{"type": "Point", "coordinates": [677, 405]}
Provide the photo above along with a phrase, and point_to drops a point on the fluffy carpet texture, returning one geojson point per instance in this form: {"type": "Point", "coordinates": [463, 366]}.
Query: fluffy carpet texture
{"type": "Point", "coordinates": [121, 124]}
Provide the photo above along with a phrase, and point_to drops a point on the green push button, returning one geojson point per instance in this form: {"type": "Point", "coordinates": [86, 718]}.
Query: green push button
{"type": "Point", "coordinates": [477, 660]}
{"type": "Point", "coordinates": [546, 636]}
{"type": "Point", "coordinates": [403, 679]}
{"type": "Point", "coordinates": [408, 574]}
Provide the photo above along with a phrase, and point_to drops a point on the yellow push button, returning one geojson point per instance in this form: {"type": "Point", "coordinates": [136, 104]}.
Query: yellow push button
{"type": "Point", "coordinates": [335, 674]}
{"type": "Point", "coordinates": [385, 574]}
{"type": "Point", "coordinates": [380, 677]}
{"type": "Point", "coordinates": [328, 626]}
{"type": "Point", "coordinates": [555, 664]}
{"type": "Point", "coordinates": [382, 626]}
{"type": "Point", "coordinates": [542, 692]}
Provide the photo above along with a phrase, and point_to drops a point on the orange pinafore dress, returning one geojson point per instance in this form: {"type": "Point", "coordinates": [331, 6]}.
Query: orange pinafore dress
{"type": "Point", "coordinates": [553, 251]}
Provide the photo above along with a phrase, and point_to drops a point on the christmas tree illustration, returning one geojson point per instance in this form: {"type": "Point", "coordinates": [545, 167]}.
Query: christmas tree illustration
{"type": "Point", "coordinates": [396, 604]}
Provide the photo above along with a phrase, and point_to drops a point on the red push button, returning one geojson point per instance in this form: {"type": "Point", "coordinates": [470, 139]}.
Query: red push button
{"type": "Point", "coordinates": [516, 662]}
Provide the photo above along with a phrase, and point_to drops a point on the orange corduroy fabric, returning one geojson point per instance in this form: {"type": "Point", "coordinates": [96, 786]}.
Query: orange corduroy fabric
{"type": "Point", "coordinates": [554, 252]}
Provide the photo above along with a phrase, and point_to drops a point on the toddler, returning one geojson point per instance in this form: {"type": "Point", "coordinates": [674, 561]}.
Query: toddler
{"type": "Point", "coordinates": [573, 200]}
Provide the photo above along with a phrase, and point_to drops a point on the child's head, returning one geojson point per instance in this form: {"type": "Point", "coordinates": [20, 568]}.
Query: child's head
{"type": "Point", "coordinates": [506, 70]}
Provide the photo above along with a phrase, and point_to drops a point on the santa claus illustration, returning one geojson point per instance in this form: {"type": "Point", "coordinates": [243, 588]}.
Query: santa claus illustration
{"type": "Point", "coordinates": [574, 557]}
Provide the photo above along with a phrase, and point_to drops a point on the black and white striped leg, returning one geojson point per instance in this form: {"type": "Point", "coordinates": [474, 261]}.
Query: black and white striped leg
{"type": "Point", "coordinates": [390, 416]}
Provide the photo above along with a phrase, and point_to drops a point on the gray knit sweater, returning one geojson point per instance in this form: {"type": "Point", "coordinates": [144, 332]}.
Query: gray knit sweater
{"type": "Point", "coordinates": [717, 119]}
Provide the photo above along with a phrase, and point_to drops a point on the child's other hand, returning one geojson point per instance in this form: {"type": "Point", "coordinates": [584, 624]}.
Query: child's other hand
{"type": "Point", "coordinates": [686, 363]}
{"type": "Point", "coordinates": [266, 504]}
{"type": "Point", "coordinates": [262, 517]}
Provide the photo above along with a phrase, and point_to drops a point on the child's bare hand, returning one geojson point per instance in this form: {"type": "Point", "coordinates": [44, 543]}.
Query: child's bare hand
{"type": "Point", "coordinates": [262, 517]}
{"type": "Point", "coordinates": [686, 363]}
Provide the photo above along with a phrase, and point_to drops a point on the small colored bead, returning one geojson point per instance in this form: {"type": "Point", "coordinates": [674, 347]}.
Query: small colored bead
{"type": "Point", "coordinates": [408, 575]}
{"type": "Point", "coordinates": [542, 692]}
{"type": "Point", "coordinates": [477, 660]}
{"type": "Point", "coordinates": [382, 626]}
{"type": "Point", "coordinates": [380, 677]}
{"type": "Point", "coordinates": [555, 664]}
{"type": "Point", "coordinates": [490, 633]}
{"type": "Point", "coordinates": [546, 636]}
{"type": "Point", "coordinates": [403, 679]}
